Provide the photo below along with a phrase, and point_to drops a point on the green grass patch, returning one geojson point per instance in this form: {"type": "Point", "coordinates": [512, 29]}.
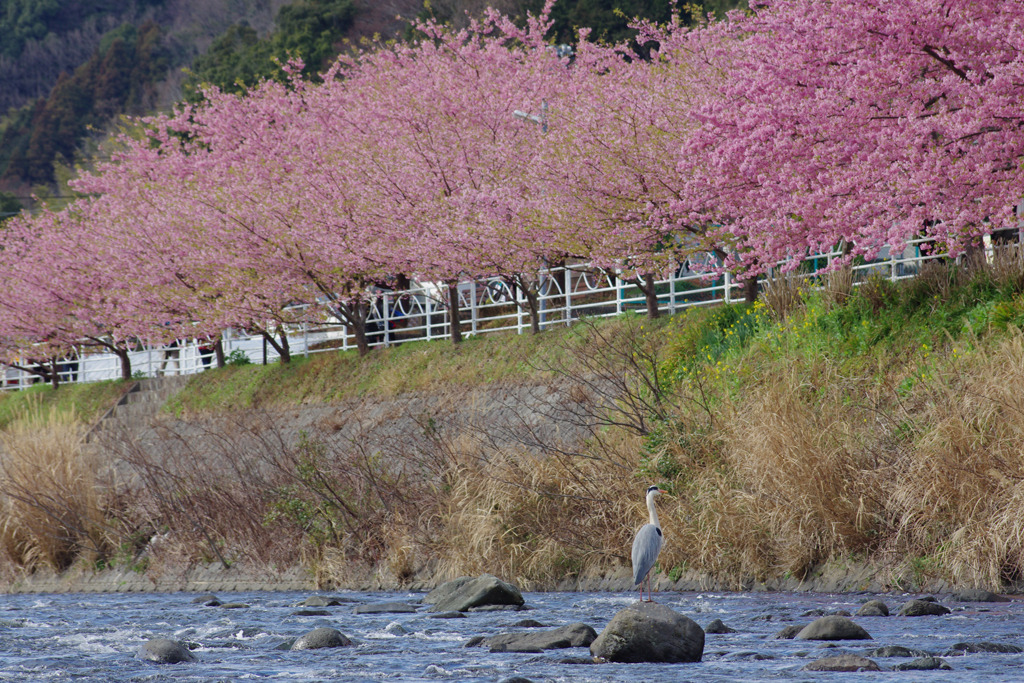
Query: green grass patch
{"type": "Point", "coordinates": [87, 401]}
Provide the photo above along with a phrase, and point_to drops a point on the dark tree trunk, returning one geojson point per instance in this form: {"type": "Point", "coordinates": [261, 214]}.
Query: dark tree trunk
{"type": "Point", "coordinates": [645, 283]}
{"type": "Point", "coordinates": [750, 289]}
{"type": "Point", "coordinates": [651, 294]}
{"type": "Point", "coordinates": [453, 311]}
{"type": "Point", "coordinates": [281, 348]}
{"type": "Point", "coordinates": [218, 352]}
{"type": "Point", "coordinates": [126, 362]}
{"type": "Point", "coordinates": [54, 373]}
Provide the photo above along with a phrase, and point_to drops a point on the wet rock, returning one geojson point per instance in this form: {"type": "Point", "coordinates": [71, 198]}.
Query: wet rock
{"type": "Point", "coordinates": [448, 615]}
{"type": "Point", "coordinates": [234, 605]}
{"type": "Point", "coordinates": [165, 651]}
{"type": "Point", "coordinates": [873, 608]}
{"type": "Point", "coordinates": [515, 679]}
{"type": "Point", "coordinates": [718, 627]}
{"type": "Point", "coordinates": [843, 663]}
{"type": "Point", "coordinates": [833, 628]}
{"type": "Point", "coordinates": [384, 608]}
{"type": "Point", "coordinates": [974, 648]}
{"type": "Point", "coordinates": [527, 623]}
{"type": "Point", "coordinates": [751, 655]}
{"type": "Point", "coordinates": [321, 601]}
{"type": "Point", "coordinates": [649, 632]}
{"type": "Point", "coordinates": [573, 635]}
{"type": "Point", "coordinates": [207, 599]}
{"type": "Point", "coordinates": [395, 629]}
{"type": "Point", "coordinates": [789, 632]}
{"type": "Point", "coordinates": [922, 608]}
{"type": "Point", "coordinates": [311, 613]}
{"type": "Point", "coordinates": [978, 595]}
{"type": "Point", "coordinates": [474, 641]}
{"type": "Point", "coordinates": [896, 651]}
{"type": "Point", "coordinates": [825, 613]}
{"type": "Point", "coordinates": [465, 593]}
{"type": "Point", "coordinates": [924, 664]}
{"type": "Point", "coordinates": [576, 660]}
{"type": "Point", "coordinates": [497, 608]}
{"type": "Point", "coordinates": [320, 638]}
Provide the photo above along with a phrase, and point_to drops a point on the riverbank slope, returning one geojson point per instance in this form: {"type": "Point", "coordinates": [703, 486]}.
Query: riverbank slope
{"type": "Point", "coordinates": [826, 438]}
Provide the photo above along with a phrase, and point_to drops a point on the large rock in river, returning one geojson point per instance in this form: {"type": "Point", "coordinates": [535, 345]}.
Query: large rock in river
{"type": "Point", "coordinates": [922, 608]}
{"type": "Point", "coordinates": [649, 632]}
{"type": "Point", "coordinates": [833, 628]}
{"type": "Point", "coordinates": [321, 637]}
{"type": "Point", "coordinates": [843, 663]}
{"type": "Point", "coordinates": [465, 593]}
{"type": "Point", "coordinates": [165, 651]}
{"type": "Point", "coordinates": [573, 635]}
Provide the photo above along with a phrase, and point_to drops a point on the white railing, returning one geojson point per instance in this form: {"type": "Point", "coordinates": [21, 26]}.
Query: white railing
{"type": "Point", "coordinates": [488, 305]}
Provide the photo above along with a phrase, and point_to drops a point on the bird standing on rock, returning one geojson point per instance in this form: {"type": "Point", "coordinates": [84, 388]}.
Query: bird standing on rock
{"type": "Point", "coordinates": [646, 546]}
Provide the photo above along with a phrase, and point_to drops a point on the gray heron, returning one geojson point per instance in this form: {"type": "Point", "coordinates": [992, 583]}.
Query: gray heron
{"type": "Point", "coordinates": [646, 546]}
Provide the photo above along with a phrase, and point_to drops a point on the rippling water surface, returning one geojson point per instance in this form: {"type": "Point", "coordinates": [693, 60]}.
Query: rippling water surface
{"type": "Point", "coordinates": [57, 637]}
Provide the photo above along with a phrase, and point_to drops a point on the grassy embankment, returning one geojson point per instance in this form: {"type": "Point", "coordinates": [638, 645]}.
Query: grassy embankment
{"type": "Point", "coordinates": [881, 424]}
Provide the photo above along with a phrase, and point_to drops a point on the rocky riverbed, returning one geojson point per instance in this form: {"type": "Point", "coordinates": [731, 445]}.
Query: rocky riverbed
{"type": "Point", "coordinates": [415, 636]}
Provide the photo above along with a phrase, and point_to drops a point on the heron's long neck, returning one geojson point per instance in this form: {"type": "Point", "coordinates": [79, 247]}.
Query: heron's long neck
{"type": "Point", "coordinates": [652, 510]}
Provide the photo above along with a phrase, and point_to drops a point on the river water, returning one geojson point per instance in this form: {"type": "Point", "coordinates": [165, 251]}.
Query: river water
{"type": "Point", "coordinates": [85, 637]}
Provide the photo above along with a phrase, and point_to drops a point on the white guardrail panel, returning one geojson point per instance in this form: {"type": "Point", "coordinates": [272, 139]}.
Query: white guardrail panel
{"type": "Point", "coordinates": [488, 305]}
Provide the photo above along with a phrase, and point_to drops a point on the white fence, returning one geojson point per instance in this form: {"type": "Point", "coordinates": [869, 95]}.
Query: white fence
{"type": "Point", "coordinates": [489, 305]}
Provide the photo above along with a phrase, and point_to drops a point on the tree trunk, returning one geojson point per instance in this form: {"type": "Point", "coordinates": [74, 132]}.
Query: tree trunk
{"type": "Point", "coordinates": [750, 289]}
{"type": "Point", "coordinates": [126, 362]}
{"type": "Point", "coordinates": [218, 351]}
{"type": "Point", "coordinates": [282, 349]}
{"type": "Point", "coordinates": [453, 311]}
{"type": "Point", "coordinates": [645, 283]}
{"type": "Point", "coordinates": [533, 305]}
{"type": "Point", "coordinates": [54, 373]}
{"type": "Point", "coordinates": [651, 294]}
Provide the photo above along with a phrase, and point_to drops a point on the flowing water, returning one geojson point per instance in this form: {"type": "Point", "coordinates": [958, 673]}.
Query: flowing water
{"type": "Point", "coordinates": [85, 637]}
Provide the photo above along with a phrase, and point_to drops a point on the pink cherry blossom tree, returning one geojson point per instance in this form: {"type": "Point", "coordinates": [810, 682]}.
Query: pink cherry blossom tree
{"type": "Point", "coordinates": [862, 123]}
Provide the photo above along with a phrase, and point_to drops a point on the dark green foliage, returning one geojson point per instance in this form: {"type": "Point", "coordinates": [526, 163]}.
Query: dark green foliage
{"type": "Point", "coordinates": [311, 30]}
{"type": "Point", "coordinates": [609, 19]}
{"type": "Point", "coordinates": [9, 206]}
{"type": "Point", "coordinates": [118, 78]}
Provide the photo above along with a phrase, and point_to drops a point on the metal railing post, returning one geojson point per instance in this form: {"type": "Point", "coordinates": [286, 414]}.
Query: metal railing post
{"type": "Point", "coordinates": [568, 295]}
{"type": "Point", "coordinates": [473, 312]}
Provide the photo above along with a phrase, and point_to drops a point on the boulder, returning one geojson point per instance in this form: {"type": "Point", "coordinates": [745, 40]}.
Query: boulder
{"type": "Point", "coordinates": [978, 595]}
{"type": "Point", "coordinates": [165, 651]}
{"type": "Point", "coordinates": [843, 663]}
{"type": "Point", "coordinates": [789, 632]}
{"type": "Point", "coordinates": [465, 593]}
{"type": "Point", "coordinates": [718, 627]}
{"type": "Point", "coordinates": [833, 628]}
{"type": "Point", "coordinates": [448, 615]}
{"type": "Point", "coordinates": [384, 608]}
{"type": "Point", "coordinates": [206, 599]}
{"type": "Point", "coordinates": [974, 648]}
{"type": "Point", "coordinates": [924, 664]}
{"type": "Point", "coordinates": [649, 632]}
{"type": "Point", "coordinates": [311, 613]}
{"type": "Point", "coordinates": [395, 629]}
{"type": "Point", "coordinates": [573, 635]}
{"type": "Point", "coordinates": [321, 637]}
{"type": "Point", "coordinates": [922, 608]}
{"type": "Point", "coordinates": [322, 601]}
{"type": "Point", "coordinates": [873, 608]}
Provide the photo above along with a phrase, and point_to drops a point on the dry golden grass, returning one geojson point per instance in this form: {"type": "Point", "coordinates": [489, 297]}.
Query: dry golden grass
{"type": "Point", "coordinates": [52, 510]}
{"type": "Point", "coordinates": [781, 293]}
{"type": "Point", "coordinates": [957, 495]}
